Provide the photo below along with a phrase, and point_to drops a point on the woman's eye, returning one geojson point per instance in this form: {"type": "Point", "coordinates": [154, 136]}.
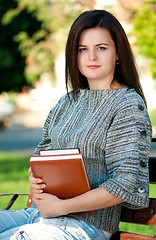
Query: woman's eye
{"type": "Point", "coordinates": [82, 49]}
{"type": "Point", "coordinates": [101, 48]}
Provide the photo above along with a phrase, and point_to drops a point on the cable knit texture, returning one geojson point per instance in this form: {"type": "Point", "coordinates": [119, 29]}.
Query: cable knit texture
{"type": "Point", "coordinates": [113, 131]}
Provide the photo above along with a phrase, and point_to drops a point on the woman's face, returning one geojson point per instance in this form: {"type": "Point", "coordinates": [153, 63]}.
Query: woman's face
{"type": "Point", "coordinates": [97, 57]}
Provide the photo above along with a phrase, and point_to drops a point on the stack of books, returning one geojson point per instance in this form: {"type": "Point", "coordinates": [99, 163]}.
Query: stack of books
{"type": "Point", "coordinates": [63, 172]}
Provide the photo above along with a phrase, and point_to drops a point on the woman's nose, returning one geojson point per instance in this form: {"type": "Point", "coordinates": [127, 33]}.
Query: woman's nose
{"type": "Point", "coordinates": [92, 55]}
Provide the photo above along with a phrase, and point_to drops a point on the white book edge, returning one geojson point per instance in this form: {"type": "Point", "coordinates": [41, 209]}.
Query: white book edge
{"type": "Point", "coordinates": [59, 157]}
{"type": "Point", "coordinates": [59, 151]}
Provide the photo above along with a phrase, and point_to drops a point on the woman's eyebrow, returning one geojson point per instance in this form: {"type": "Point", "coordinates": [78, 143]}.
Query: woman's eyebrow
{"type": "Point", "coordinates": [99, 44]}
{"type": "Point", "coordinates": [102, 44]}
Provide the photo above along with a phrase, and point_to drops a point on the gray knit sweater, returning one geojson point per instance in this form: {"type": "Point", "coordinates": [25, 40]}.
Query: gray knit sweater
{"type": "Point", "coordinates": [113, 131]}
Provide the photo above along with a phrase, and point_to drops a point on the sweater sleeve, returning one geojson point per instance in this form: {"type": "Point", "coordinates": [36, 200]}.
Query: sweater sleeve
{"type": "Point", "coordinates": [127, 153]}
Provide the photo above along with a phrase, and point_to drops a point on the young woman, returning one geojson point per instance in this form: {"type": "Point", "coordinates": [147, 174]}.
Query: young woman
{"type": "Point", "coordinates": [105, 117]}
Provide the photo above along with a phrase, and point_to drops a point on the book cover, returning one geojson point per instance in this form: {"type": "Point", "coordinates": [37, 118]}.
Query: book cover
{"type": "Point", "coordinates": [64, 175]}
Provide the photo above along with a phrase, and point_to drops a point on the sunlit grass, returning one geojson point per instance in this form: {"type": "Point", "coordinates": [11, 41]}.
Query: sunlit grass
{"type": "Point", "coordinates": [14, 178]}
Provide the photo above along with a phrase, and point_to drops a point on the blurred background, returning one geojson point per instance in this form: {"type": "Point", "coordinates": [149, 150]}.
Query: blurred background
{"type": "Point", "coordinates": [32, 42]}
{"type": "Point", "coordinates": [33, 36]}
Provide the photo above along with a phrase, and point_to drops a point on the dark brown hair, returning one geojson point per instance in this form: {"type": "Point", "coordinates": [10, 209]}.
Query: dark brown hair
{"type": "Point", "coordinates": [125, 71]}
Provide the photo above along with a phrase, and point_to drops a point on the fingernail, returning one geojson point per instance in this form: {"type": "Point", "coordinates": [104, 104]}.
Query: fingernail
{"type": "Point", "coordinates": [39, 180]}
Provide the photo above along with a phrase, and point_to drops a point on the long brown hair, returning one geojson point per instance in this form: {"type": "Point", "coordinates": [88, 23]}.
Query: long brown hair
{"type": "Point", "coordinates": [125, 72]}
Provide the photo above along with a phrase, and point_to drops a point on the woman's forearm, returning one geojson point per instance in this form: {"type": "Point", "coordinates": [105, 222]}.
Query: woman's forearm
{"type": "Point", "coordinates": [94, 199]}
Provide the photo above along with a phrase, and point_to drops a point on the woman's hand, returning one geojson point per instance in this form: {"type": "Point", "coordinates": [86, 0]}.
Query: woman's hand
{"type": "Point", "coordinates": [49, 205]}
{"type": "Point", "coordinates": [37, 184]}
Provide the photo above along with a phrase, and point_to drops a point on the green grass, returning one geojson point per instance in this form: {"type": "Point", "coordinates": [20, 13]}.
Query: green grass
{"type": "Point", "coordinates": [137, 228]}
{"type": "Point", "coordinates": [152, 114]}
{"type": "Point", "coordinates": [14, 178]}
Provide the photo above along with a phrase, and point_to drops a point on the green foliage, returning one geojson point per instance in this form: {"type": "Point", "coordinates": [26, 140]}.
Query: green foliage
{"type": "Point", "coordinates": [33, 33]}
{"type": "Point", "coordinates": [12, 63]}
{"type": "Point", "coordinates": [152, 114]}
{"type": "Point", "coordinates": [144, 21]}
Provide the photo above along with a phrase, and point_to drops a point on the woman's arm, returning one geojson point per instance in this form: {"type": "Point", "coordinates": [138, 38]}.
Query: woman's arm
{"type": "Point", "coordinates": [92, 200]}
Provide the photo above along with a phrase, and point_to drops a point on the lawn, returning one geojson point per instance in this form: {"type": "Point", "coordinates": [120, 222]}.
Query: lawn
{"type": "Point", "coordinates": [14, 178]}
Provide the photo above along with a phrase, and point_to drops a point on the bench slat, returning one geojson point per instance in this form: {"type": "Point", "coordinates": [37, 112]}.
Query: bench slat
{"type": "Point", "coordinates": [142, 216]}
{"type": "Point", "coordinates": [133, 236]}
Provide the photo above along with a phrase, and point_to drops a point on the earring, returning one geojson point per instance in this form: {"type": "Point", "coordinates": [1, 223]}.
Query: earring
{"type": "Point", "coordinates": [117, 61]}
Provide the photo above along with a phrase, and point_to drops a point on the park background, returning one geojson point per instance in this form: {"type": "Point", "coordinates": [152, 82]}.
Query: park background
{"type": "Point", "coordinates": [32, 66]}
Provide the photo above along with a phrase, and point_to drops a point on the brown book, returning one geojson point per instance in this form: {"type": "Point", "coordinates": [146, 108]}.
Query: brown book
{"type": "Point", "coordinates": [64, 175]}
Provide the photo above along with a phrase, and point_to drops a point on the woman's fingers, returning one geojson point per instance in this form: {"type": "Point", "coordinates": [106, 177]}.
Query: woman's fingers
{"type": "Point", "coordinates": [38, 188]}
{"type": "Point", "coordinates": [36, 183]}
{"type": "Point", "coordinates": [34, 180]}
{"type": "Point", "coordinates": [38, 191]}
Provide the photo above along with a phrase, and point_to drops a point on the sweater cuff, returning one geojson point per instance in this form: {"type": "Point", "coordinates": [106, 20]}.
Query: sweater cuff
{"type": "Point", "coordinates": [135, 200]}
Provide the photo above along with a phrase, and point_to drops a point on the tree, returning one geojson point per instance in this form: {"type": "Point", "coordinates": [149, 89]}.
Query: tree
{"type": "Point", "coordinates": [12, 63]}
{"type": "Point", "coordinates": [41, 30]}
{"type": "Point", "coordinates": [144, 22]}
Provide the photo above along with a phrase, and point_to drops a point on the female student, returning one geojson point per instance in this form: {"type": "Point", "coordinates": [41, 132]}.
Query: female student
{"type": "Point", "coordinates": [105, 117]}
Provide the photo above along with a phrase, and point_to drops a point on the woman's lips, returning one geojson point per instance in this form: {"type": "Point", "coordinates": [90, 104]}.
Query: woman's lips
{"type": "Point", "coordinates": [93, 66]}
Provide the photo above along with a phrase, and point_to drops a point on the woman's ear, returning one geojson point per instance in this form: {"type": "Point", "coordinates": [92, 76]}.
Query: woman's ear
{"type": "Point", "coordinates": [117, 61]}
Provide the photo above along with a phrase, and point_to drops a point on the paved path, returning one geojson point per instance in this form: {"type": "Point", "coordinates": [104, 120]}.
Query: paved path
{"type": "Point", "coordinates": [24, 139]}
{"type": "Point", "coordinates": [26, 132]}
{"type": "Point", "coordinates": [20, 138]}
{"type": "Point", "coordinates": [153, 149]}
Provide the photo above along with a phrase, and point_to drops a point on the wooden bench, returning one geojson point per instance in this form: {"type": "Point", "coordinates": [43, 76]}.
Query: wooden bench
{"type": "Point", "coordinates": [146, 216]}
